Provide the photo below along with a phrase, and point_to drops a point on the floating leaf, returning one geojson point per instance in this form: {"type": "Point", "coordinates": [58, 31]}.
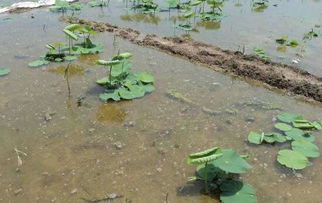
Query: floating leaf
{"type": "Point", "coordinates": [146, 77]}
{"type": "Point", "coordinates": [292, 159]}
{"type": "Point", "coordinates": [236, 191]}
{"type": "Point", "coordinates": [103, 81]}
{"type": "Point", "coordinates": [38, 63]}
{"type": "Point", "coordinates": [297, 134]}
{"type": "Point", "coordinates": [231, 162]}
{"type": "Point", "coordinates": [148, 88]}
{"type": "Point", "coordinates": [288, 117]}
{"type": "Point", "coordinates": [4, 71]}
{"type": "Point", "coordinates": [205, 156]}
{"type": "Point", "coordinates": [126, 94]}
{"type": "Point", "coordinates": [317, 125]}
{"type": "Point", "coordinates": [70, 58]}
{"type": "Point", "coordinates": [283, 127]}
{"type": "Point", "coordinates": [305, 147]}
{"type": "Point", "coordinates": [113, 95]}
{"type": "Point", "coordinates": [274, 137]}
{"type": "Point", "coordinates": [302, 124]}
{"type": "Point", "coordinates": [137, 91]}
{"type": "Point", "coordinates": [255, 138]}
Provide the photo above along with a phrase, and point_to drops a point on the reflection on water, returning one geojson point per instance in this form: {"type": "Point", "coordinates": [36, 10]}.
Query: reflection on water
{"type": "Point", "coordinates": [89, 59]}
{"type": "Point", "coordinates": [137, 150]}
{"type": "Point", "coordinates": [139, 17]}
{"type": "Point", "coordinates": [209, 25]}
{"type": "Point", "coordinates": [110, 113]}
{"type": "Point", "coordinates": [73, 70]}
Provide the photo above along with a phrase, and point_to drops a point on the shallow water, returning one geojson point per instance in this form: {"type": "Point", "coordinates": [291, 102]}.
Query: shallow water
{"type": "Point", "coordinates": [137, 148]}
{"type": "Point", "coordinates": [241, 27]}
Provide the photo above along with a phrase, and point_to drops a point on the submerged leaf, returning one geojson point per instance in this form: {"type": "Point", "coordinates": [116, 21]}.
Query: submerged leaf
{"type": "Point", "coordinates": [236, 191]}
{"type": "Point", "coordinates": [292, 159]}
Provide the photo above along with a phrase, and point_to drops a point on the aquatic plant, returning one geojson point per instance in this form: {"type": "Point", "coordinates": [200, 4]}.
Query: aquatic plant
{"type": "Point", "coordinates": [64, 6]}
{"type": "Point", "coordinates": [310, 35]}
{"type": "Point", "coordinates": [215, 12]}
{"type": "Point", "coordinates": [261, 53]}
{"type": "Point", "coordinates": [4, 71]}
{"type": "Point", "coordinates": [59, 52]}
{"type": "Point", "coordinates": [187, 25]}
{"type": "Point", "coordinates": [145, 6]}
{"type": "Point", "coordinates": [217, 168]}
{"type": "Point", "coordinates": [294, 128]}
{"type": "Point", "coordinates": [286, 42]}
{"type": "Point", "coordinates": [260, 5]}
{"type": "Point", "coordinates": [99, 3]}
{"type": "Point", "coordinates": [121, 83]}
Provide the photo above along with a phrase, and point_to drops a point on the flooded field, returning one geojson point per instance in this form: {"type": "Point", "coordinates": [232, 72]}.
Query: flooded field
{"type": "Point", "coordinates": [56, 148]}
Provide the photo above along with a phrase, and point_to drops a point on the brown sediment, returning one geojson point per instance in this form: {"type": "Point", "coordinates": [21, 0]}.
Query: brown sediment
{"type": "Point", "coordinates": [285, 77]}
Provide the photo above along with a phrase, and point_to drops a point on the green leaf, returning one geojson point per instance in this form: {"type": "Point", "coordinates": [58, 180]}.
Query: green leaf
{"type": "Point", "coordinates": [73, 27]}
{"type": "Point", "coordinates": [38, 63]}
{"type": "Point", "coordinates": [4, 71]}
{"type": "Point", "coordinates": [297, 134]}
{"type": "Point", "coordinates": [205, 156]}
{"type": "Point", "coordinates": [237, 192]}
{"type": "Point", "coordinates": [288, 117]}
{"type": "Point", "coordinates": [148, 88]}
{"type": "Point", "coordinates": [113, 95]}
{"type": "Point", "coordinates": [70, 58]}
{"type": "Point", "coordinates": [305, 147]}
{"type": "Point", "coordinates": [231, 162]}
{"type": "Point", "coordinates": [255, 138]}
{"type": "Point", "coordinates": [146, 77]}
{"type": "Point", "coordinates": [302, 124]}
{"type": "Point", "coordinates": [125, 93]}
{"type": "Point", "coordinates": [209, 173]}
{"type": "Point", "coordinates": [274, 137]}
{"type": "Point", "coordinates": [283, 127]}
{"type": "Point", "coordinates": [70, 34]}
{"type": "Point", "coordinates": [292, 159]}
{"type": "Point", "coordinates": [103, 81]}
{"type": "Point", "coordinates": [137, 91]}
{"type": "Point", "coordinates": [108, 63]}
{"type": "Point", "coordinates": [317, 125]}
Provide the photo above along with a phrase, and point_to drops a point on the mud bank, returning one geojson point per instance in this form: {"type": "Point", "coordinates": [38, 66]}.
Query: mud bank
{"type": "Point", "coordinates": [290, 79]}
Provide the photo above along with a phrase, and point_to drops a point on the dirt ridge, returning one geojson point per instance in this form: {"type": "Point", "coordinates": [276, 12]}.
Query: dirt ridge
{"type": "Point", "coordinates": [288, 78]}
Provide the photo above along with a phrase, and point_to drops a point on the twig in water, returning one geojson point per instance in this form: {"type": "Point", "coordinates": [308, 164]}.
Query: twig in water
{"type": "Point", "coordinates": [18, 157]}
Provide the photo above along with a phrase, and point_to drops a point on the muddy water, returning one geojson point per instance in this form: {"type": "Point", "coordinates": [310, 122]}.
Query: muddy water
{"type": "Point", "coordinates": [136, 148]}
{"type": "Point", "coordinates": [241, 27]}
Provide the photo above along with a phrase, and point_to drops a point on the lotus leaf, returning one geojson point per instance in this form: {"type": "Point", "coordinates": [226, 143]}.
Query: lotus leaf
{"type": "Point", "coordinates": [288, 117]}
{"type": "Point", "coordinates": [283, 127]}
{"type": "Point", "coordinates": [146, 77]}
{"type": "Point", "coordinates": [205, 156]}
{"type": "Point", "coordinates": [305, 147]}
{"type": "Point", "coordinates": [231, 162]}
{"type": "Point", "coordinates": [236, 191]}
{"type": "Point", "coordinates": [4, 71]}
{"type": "Point", "coordinates": [298, 134]}
{"type": "Point", "coordinates": [38, 63]}
{"type": "Point", "coordinates": [292, 159]}
{"type": "Point", "coordinates": [255, 138]}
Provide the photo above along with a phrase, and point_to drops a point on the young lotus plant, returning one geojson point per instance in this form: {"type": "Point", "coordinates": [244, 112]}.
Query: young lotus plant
{"type": "Point", "coordinates": [121, 83]}
{"type": "Point", "coordinates": [217, 168]}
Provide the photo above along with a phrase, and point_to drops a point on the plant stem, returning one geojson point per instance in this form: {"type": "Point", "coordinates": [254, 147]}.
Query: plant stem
{"type": "Point", "coordinates": [207, 190]}
{"type": "Point", "coordinates": [110, 76]}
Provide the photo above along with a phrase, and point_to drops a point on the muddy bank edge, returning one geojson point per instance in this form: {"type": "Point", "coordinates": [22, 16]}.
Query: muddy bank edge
{"type": "Point", "coordinates": [285, 77]}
